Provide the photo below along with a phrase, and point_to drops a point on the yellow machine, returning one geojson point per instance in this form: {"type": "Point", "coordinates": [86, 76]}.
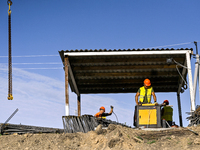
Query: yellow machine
{"type": "Point", "coordinates": [148, 115]}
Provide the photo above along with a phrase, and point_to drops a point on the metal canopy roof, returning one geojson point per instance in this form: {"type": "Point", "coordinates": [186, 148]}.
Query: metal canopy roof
{"type": "Point", "coordinates": [123, 71]}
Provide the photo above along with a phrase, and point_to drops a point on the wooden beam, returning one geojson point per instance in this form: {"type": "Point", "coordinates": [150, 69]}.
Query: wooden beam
{"type": "Point", "coordinates": [126, 66]}
{"type": "Point", "coordinates": [72, 79]}
{"type": "Point", "coordinates": [79, 104]}
{"type": "Point", "coordinates": [121, 81]}
{"type": "Point", "coordinates": [66, 87]}
{"type": "Point", "coordinates": [150, 73]}
{"type": "Point", "coordinates": [125, 70]}
{"type": "Point", "coordinates": [126, 77]}
{"type": "Point", "coordinates": [134, 58]}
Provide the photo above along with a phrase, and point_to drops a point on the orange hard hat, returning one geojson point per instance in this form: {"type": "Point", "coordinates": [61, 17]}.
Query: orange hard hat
{"type": "Point", "coordinates": [102, 108]}
{"type": "Point", "coordinates": [147, 82]}
{"type": "Point", "coordinates": [166, 102]}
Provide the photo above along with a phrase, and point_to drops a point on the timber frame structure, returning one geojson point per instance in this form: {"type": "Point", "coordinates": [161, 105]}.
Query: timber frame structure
{"type": "Point", "coordinates": [123, 71]}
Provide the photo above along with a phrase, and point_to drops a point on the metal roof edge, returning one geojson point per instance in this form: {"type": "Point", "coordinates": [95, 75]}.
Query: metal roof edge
{"type": "Point", "coordinates": [115, 53]}
{"type": "Point", "coordinates": [109, 50]}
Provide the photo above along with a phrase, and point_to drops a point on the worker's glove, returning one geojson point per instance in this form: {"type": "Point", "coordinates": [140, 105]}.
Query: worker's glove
{"type": "Point", "coordinates": [155, 103]}
{"type": "Point", "coordinates": [139, 103]}
{"type": "Point", "coordinates": [111, 107]}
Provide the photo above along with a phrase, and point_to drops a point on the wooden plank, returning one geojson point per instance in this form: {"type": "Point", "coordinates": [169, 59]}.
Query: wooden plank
{"type": "Point", "coordinates": [124, 70]}
{"type": "Point", "coordinates": [98, 91]}
{"type": "Point", "coordinates": [122, 67]}
{"type": "Point", "coordinates": [152, 73]}
{"type": "Point", "coordinates": [135, 59]}
{"type": "Point", "coordinates": [126, 76]}
{"type": "Point", "coordinates": [120, 81]}
{"type": "Point", "coordinates": [124, 85]}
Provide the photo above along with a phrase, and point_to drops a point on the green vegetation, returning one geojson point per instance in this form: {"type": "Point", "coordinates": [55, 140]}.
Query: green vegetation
{"type": "Point", "coordinates": [151, 142]}
{"type": "Point", "coordinates": [168, 138]}
{"type": "Point", "coordinates": [139, 137]}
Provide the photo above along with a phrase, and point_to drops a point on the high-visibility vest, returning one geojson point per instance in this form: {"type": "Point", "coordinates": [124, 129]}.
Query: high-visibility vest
{"type": "Point", "coordinates": [98, 115]}
{"type": "Point", "coordinates": [142, 94]}
{"type": "Point", "coordinates": [168, 113]}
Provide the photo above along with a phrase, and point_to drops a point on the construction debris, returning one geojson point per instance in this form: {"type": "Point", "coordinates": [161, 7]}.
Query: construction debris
{"type": "Point", "coordinates": [85, 123]}
{"type": "Point", "coordinates": [22, 129]}
{"type": "Point", "coordinates": [194, 117]}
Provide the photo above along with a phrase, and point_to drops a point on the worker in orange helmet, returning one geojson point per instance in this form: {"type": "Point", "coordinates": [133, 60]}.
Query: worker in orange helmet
{"type": "Point", "coordinates": [167, 113]}
{"type": "Point", "coordinates": [102, 114]}
{"type": "Point", "coordinates": [145, 93]}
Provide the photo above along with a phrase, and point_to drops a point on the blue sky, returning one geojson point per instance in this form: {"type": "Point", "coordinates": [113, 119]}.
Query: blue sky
{"type": "Point", "coordinates": [46, 27]}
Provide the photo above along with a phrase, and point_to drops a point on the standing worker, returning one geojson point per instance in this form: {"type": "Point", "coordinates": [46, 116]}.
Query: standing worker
{"type": "Point", "coordinates": [167, 113]}
{"type": "Point", "coordinates": [102, 114]}
{"type": "Point", "coordinates": [145, 93]}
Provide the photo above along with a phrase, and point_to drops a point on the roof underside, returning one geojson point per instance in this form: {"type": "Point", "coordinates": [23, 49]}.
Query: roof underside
{"type": "Point", "coordinates": [124, 73]}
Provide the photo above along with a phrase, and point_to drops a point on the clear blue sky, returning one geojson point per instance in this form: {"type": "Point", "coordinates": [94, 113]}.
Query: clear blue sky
{"type": "Point", "coordinates": [46, 27]}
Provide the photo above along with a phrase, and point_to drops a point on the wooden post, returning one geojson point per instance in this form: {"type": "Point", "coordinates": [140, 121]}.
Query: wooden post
{"type": "Point", "coordinates": [79, 104]}
{"type": "Point", "coordinates": [179, 109]}
{"type": "Point", "coordinates": [66, 87]}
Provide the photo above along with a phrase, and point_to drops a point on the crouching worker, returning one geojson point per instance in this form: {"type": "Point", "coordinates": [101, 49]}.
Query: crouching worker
{"type": "Point", "coordinates": [166, 114]}
{"type": "Point", "coordinates": [102, 114]}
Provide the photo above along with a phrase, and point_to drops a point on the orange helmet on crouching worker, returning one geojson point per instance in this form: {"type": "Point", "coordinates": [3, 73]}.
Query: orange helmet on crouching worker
{"type": "Point", "coordinates": [166, 102]}
{"type": "Point", "coordinates": [102, 108]}
{"type": "Point", "coordinates": [147, 82]}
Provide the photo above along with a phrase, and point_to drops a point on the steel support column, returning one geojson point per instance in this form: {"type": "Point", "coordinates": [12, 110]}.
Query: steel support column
{"type": "Point", "coordinates": [66, 87]}
{"type": "Point", "coordinates": [190, 81]}
{"type": "Point", "coordinates": [196, 73]}
{"type": "Point", "coordinates": [79, 104]}
{"type": "Point", "coordinates": [179, 109]}
{"type": "Point", "coordinates": [199, 81]}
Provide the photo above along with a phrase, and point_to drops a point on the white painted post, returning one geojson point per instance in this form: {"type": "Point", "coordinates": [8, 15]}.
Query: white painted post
{"type": "Point", "coordinates": [199, 82]}
{"type": "Point", "coordinates": [190, 81]}
{"type": "Point", "coordinates": [196, 72]}
{"type": "Point", "coordinates": [66, 109]}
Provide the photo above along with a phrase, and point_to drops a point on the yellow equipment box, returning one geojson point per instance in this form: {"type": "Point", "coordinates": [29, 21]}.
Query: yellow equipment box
{"type": "Point", "coordinates": [148, 115]}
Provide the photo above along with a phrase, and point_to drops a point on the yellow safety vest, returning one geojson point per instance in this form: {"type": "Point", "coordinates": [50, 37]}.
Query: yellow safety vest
{"type": "Point", "coordinates": [142, 94]}
{"type": "Point", "coordinates": [168, 113]}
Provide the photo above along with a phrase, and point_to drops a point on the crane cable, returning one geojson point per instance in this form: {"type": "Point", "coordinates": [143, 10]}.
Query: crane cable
{"type": "Point", "coordinates": [10, 96]}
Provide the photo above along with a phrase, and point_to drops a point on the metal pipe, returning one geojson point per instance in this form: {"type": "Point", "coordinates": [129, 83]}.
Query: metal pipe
{"type": "Point", "coordinates": [195, 43]}
{"type": "Point", "coordinates": [179, 109]}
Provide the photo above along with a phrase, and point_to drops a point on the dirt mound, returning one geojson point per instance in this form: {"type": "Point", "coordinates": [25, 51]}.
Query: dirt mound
{"type": "Point", "coordinates": [115, 137]}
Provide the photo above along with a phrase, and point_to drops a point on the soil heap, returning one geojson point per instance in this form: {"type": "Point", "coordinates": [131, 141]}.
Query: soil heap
{"type": "Point", "coordinates": [115, 137]}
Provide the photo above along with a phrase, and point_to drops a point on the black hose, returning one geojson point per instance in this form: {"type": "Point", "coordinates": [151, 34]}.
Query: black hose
{"type": "Point", "coordinates": [115, 116]}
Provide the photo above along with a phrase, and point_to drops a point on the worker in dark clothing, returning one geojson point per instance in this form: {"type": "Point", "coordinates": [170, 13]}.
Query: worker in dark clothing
{"type": "Point", "coordinates": [102, 114]}
{"type": "Point", "coordinates": [167, 113]}
{"type": "Point", "coordinates": [145, 93]}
